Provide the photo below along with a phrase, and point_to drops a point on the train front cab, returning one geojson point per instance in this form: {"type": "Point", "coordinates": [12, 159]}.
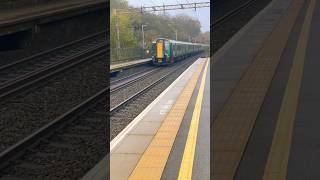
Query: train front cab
{"type": "Point", "coordinates": [162, 52]}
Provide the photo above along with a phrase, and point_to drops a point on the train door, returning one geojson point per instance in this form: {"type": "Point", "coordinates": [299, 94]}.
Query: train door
{"type": "Point", "coordinates": [167, 50]}
{"type": "Point", "coordinates": [160, 53]}
{"type": "Point", "coordinates": [173, 51]}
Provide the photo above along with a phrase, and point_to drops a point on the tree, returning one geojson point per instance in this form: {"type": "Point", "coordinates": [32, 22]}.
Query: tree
{"type": "Point", "coordinates": [118, 4]}
{"type": "Point", "coordinates": [203, 38]}
{"type": "Point", "coordinates": [120, 21]}
{"type": "Point", "coordinates": [129, 22]}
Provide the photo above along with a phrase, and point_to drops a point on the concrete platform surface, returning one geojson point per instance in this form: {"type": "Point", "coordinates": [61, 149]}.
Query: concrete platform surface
{"type": "Point", "coordinates": [266, 96]}
{"type": "Point", "coordinates": [128, 64]}
{"type": "Point", "coordinates": [128, 147]}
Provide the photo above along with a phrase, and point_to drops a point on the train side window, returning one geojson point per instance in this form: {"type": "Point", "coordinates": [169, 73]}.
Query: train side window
{"type": "Point", "coordinates": [173, 49]}
{"type": "Point", "coordinates": [153, 48]}
{"type": "Point", "coordinates": [176, 48]}
{"type": "Point", "coordinates": [167, 46]}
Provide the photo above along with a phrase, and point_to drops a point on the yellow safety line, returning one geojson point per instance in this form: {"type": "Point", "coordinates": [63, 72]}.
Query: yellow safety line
{"type": "Point", "coordinates": [233, 126]}
{"type": "Point", "coordinates": [186, 167]}
{"type": "Point", "coordinates": [276, 168]}
{"type": "Point", "coordinates": [154, 159]}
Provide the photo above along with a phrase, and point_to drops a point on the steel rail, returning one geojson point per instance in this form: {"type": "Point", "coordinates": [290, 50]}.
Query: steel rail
{"type": "Point", "coordinates": [30, 58]}
{"type": "Point", "coordinates": [136, 95]}
{"type": "Point", "coordinates": [121, 79]}
{"type": "Point", "coordinates": [232, 13]}
{"type": "Point", "coordinates": [126, 81]}
{"type": "Point", "coordinates": [46, 131]}
{"type": "Point", "coordinates": [21, 83]}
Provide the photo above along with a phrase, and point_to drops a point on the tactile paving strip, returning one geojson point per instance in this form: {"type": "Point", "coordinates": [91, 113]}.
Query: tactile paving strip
{"type": "Point", "coordinates": [233, 126]}
{"type": "Point", "coordinates": [277, 163]}
{"type": "Point", "coordinates": [186, 167]}
{"type": "Point", "coordinates": [154, 159]}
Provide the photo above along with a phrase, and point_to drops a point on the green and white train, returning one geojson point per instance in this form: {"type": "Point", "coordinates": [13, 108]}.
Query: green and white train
{"type": "Point", "coordinates": [166, 51]}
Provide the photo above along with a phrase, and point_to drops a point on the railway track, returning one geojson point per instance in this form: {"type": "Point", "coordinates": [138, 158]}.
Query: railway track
{"type": "Point", "coordinates": [28, 72]}
{"type": "Point", "coordinates": [122, 113]}
{"type": "Point", "coordinates": [145, 89]}
{"type": "Point", "coordinates": [118, 84]}
{"type": "Point", "coordinates": [75, 142]}
{"type": "Point", "coordinates": [227, 23]}
{"type": "Point", "coordinates": [232, 13]}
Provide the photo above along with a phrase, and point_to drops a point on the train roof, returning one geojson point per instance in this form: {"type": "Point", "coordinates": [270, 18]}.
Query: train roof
{"type": "Point", "coordinates": [180, 42]}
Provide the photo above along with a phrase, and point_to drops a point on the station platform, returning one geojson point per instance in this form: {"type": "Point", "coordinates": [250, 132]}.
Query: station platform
{"type": "Point", "coordinates": [124, 65]}
{"type": "Point", "coordinates": [26, 17]}
{"type": "Point", "coordinates": [170, 138]}
{"type": "Point", "coordinates": [266, 97]}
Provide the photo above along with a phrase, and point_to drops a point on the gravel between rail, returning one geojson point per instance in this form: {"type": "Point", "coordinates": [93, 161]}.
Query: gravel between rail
{"type": "Point", "coordinates": [68, 150]}
{"type": "Point", "coordinates": [132, 70]}
{"type": "Point", "coordinates": [29, 111]}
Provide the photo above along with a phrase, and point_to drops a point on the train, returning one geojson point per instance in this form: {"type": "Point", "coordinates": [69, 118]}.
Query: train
{"type": "Point", "coordinates": [166, 51]}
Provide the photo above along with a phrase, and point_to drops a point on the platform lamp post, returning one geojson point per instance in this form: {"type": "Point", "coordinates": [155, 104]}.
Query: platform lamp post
{"type": "Point", "coordinates": [142, 28]}
{"type": "Point", "coordinates": [143, 44]}
{"type": "Point", "coordinates": [176, 35]}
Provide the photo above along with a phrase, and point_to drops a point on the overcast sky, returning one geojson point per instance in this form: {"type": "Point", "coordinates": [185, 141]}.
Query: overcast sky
{"type": "Point", "coordinates": [202, 14]}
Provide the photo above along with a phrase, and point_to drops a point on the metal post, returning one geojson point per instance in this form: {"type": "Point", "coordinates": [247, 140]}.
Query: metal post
{"type": "Point", "coordinates": [143, 43]}
{"type": "Point", "coordinates": [142, 36]}
{"type": "Point", "coordinates": [164, 12]}
{"type": "Point", "coordinates": [176, 35]}
{"type": "Point", "coordinates": [142, 28]}
{"type": "Point", "coordinates": [118, 35]}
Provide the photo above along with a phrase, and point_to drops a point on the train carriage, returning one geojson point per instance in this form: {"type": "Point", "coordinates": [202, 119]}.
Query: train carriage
{"type": "Point", "coordinates": [166, 51]}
